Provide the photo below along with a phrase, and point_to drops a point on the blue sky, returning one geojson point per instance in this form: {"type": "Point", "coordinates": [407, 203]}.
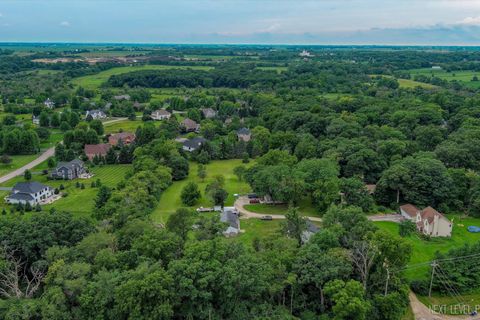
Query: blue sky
{"type": "Point", "coordinates": [431, 22]}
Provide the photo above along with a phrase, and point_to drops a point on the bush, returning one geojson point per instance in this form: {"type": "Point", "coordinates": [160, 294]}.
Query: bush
{"type": "Point", "coordinates": [420, 286]}
{"type": "Point", "coordinates": [406, 228]}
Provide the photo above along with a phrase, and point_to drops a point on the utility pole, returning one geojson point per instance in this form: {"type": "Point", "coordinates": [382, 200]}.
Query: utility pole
{"type": "Point", "coordinates": [434, 265]}
{"type": "Point", "coordinates": [388, 278]}
{"type": "Point", "coordinates": [385, 265]}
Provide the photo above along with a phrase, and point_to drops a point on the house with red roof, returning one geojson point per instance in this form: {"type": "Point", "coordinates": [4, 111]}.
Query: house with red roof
{"type": "Point", "coordinates": [429, 221]}
{"type": "Point", "coordinates": [92, 150]}
{"type": "Point", "coordinates": [125, 137]}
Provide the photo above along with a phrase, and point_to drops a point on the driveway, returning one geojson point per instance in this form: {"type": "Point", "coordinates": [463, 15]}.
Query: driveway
{"type": "Point", "coordinates": [18, 172]}
{"type": "Point", "coordinates": [246, 214]}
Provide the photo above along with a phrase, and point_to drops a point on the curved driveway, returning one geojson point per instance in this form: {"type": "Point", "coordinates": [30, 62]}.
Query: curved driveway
{"type": "Point", "coordinates": [18, 172]}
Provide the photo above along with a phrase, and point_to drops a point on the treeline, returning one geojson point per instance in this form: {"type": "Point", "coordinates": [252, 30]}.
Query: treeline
{"type": "Point", "coordinates": [231, 76]}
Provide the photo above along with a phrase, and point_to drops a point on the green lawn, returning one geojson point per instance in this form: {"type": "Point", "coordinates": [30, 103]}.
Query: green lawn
{"type": "Point", "coordinates": [79, 201]}
{"type": "Point", "coordinates": [277, 69]}
{"type": "Point", "coordinates": [461, 76]}
{"type": "Point", "coordinates": [125, 125]}
{"type": "Point", "coordinates": [408, 84]}
{"type": "Point", "coordinates": [96, 80]}
{"type": "Point", "coordinates": [256, 228]}
{"type": "Point", "coordinates": [170, 200]}
{"type": "Point", "coordinates": [17, 162]}
{"type": "Point", "coordinates": [424, 251]}
{"type": "Point", "coordinates": [305, 208]}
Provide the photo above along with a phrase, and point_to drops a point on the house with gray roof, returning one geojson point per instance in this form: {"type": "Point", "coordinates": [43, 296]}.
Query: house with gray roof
{"type": "Point", "coordinates": [244, 134]}
{"type": "Point", "coordinates": [229, 215]}
{"type": "Point", "coordinates": [209, 113]}
{"type": "Point", "coordinates": [96, 114]}
{"type": "Point", "coordinates": [69, 170]}
{"type": "Point", "coordinates": [188, 125]}
{"type": "Point", "coordinates": [193, 144]}
{"type": "Point", "coordinates": [31, 192]}
{"type": "Point", "coordinates": [309, 231]}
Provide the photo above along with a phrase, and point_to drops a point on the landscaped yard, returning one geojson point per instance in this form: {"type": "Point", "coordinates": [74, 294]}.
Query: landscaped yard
{"type": "Point", "coordinates": [256, 228]}
{"type": "Point", "coordinates": [170, 200]}
{"type": "Point", "coordinates": [79, 201]}
{"type": "Point", "coordinates": [125, 125]}
{"type": "Point", "coordinates": [96, 80]}
{"type": "Point", "coordinates": [17, 162]}
{"type": "Point", "coordinates": [305, 208]}
{"type": "Point", "coordinates": [424, 250]}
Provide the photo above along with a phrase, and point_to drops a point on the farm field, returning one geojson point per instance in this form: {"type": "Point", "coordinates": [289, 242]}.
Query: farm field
{"type": "Point", "coordinates": [424, 251]}
{"type": "Point", "coordinates": [461, 76]}
{"type": "Point", "coordinates": [170, 200]}
{"type": "Point", "coordinates": [96, 80]}
{"type": "Point", "coordinates": [79, 201]}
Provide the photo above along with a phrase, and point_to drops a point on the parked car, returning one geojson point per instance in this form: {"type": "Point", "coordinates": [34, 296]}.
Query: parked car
{"type": "Point", "coordinates": [266, 218]}
{"type": "Point", "coordinates": [252, 196]}
{"type": "Point", "coordinates": [254, 200]}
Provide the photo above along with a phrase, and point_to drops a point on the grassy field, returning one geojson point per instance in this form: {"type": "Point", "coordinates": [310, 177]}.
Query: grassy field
{"type": "Point", "coordinates": [305, 208]}
{"type": "Point", "coordinates": [170, 200]}
{"type": "Point", "coordinates": [96, 80]}
{"type": "Point", "coordinates": [424, 251]}
{"type": "Point", "coordinates": [17, 162]}
{"type": "Point", "coordinates": [256, 228]}
{"type": "Point", "coordinates": [79, 201]}
{"type": "Point", "coordinates": [278, 69]}
{"type": "Point", "coordinates": [409, 84]}
{"type": "Point", "coordinates": [125, 125]}
{"type": "Point", "coordinates": [461, 76]}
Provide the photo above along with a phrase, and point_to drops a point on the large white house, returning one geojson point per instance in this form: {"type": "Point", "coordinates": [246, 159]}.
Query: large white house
{"type": "Point", "coordinates": [429, 221]}
{"type": "Point", "coordinates": [32, 192]}
{"type": "Point", "coordinates": [161, 114]}
{"type": "Point", "coordinates": [96, 114]}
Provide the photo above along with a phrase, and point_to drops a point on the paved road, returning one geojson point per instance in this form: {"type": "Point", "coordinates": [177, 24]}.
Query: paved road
{"type": "Point", "coordinates": [246, 214]}
{"type": "Point", "coordinates": [18, 172]}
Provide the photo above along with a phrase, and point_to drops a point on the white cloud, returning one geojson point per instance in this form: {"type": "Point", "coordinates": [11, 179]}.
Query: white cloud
{"type": "Point", "coordinates": [470, 21]}
{"type": "Point", "coordinates": [271, 28]}
{"type": "Point", "coordinates": [65, 24]}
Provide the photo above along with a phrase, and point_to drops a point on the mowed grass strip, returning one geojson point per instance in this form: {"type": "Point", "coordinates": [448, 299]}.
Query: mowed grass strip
{"type": "Point", "coordinates": [96, 80]}
{"type": "Point", "coordinates": [170, 199]}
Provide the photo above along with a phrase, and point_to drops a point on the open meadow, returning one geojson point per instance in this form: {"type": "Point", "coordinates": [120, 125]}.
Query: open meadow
{"type": "Point", "coordinates": [464, 76]}
{"type": "Point", "coordinates": [96, 80]}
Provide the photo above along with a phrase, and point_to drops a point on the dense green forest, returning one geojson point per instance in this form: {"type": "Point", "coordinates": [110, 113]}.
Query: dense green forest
{"type": "Point", "coordinates": [322, 126]}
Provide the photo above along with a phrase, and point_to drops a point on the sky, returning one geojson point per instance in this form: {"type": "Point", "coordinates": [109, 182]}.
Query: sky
{"type": "Point", "coordinates": [381, 22]}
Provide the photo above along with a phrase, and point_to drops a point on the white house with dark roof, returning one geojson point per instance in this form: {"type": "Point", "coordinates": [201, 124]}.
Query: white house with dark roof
{"type": "Point", "coordinates": [160, 114]}
{"type": "Point", "coordinates": [49, 103]}
{"type": "Point", "coordinates": [32, 192]}
{"type": "Point", "coordinates": [244, 134]}
{"type": "Point", "coordinates": [229, 215]}
{"type": "Point", "coordinates": [429, 221]}
{"type": "Point", "coordinates": [96, 114]}
{"type": "Point", "coordinates": [193, 144]}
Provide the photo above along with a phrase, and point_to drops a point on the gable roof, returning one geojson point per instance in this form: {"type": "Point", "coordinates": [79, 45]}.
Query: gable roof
{"type": "Point", "coordinates": [194, 143]}
{"type": "Point", "coordinates": [189, 123]}
{"type": "Point", "coordinates": [229, 216]}
{"type": "Point", "coordinates": [243, 131]}
{"type": "Point", "coordinates": [429, 214]}
{"type": "Point", "coordinates": [71, 164]}
{"type": "Point", "coordinates": [100, 149]}
{"type": "Point", "coordinates": [123, 135]}
{"type": "Point", "coordinates": [410, 209]}
{"type": "Point", "coordinates": [208, 112]}
{"type": "Point", "coordinates": [161, 112]}
{"type": "Point", "coordinates": [29, 187]}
